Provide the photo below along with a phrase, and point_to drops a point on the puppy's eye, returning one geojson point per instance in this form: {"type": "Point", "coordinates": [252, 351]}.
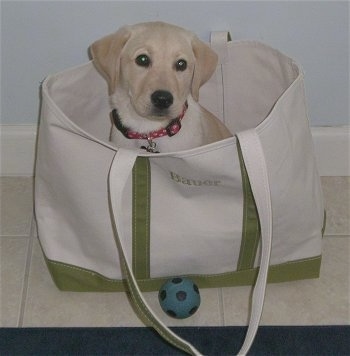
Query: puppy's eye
{"type": "Point", "coordinates": [143, 60]}
{"type": "Point", "coordinates": [181, 65]}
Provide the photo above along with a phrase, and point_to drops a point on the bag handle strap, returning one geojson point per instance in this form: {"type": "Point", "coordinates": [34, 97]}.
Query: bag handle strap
{"type": "Point", "coordinates": [218, 42]}
{"type": "Point", "coordinates": [254, 159]}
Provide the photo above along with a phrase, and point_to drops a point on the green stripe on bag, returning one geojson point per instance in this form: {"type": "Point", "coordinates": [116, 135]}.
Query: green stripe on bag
{"type": "Point", "coordinates": [250, 225]}
{"type": "Point", "coordinates": [74, 278]}
{"type": "Point", "coordinates": [141, 190]}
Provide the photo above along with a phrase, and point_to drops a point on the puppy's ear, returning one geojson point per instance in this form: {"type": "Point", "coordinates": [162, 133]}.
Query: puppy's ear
{"type": "Point", "coordinates": [205, 65]}
{"type": "Point", "coordinates": [106, 55]}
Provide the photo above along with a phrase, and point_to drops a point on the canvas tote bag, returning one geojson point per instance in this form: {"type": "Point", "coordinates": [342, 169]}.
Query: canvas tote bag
{"type": "Point", "coordinates": [248, 208]}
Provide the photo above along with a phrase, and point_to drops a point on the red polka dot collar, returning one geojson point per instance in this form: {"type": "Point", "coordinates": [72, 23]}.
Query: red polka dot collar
{"type": "Point", "coordinates": [170, 130]}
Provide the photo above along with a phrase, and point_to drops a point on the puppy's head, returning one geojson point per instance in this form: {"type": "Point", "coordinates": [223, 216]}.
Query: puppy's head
{"type": "Point", "coordinates": [155, 65]}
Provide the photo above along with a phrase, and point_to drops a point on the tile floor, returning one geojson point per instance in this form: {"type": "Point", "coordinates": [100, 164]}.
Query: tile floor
{"type": "Point", "coordinates": [29, 298]}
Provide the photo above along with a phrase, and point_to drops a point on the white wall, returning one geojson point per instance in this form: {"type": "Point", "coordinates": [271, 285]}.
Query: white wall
{"type": "Point", "coordinates": [43, 37]}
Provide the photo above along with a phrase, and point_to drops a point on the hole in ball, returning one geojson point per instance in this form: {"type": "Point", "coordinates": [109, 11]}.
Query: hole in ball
{"type": "Point", "coordinates": [181, 295]}
{"type": "Point", "coordinates": [176, 280]}
{"type": "Point", "coordinates": [171, 313]}
{"type": "Point", "coordinates": [193, 310]}
{"type": "Point", "coordinates": [162, 295]}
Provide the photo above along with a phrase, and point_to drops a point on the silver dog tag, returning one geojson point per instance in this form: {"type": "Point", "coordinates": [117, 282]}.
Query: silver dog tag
{"type": "Point", "coordinates": [152, 146]}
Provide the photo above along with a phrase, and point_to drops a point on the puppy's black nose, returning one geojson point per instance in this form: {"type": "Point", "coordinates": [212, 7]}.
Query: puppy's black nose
{"type": "Point", "coordinates": [162, 99]}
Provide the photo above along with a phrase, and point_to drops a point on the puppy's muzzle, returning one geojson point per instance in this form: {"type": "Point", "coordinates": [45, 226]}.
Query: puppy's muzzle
{"type": "Point", "coordinates": [162, 99]}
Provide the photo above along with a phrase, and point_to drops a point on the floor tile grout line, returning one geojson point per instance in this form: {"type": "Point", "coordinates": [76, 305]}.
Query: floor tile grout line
{"type": "Point", "coordinates": [328, 237]}
{"type": "Point", "coordinates": [221, 307]}
{"type": "Point", "coordinates": [9, 237]}
{"type": "Point", "coordinates": [26, 275]}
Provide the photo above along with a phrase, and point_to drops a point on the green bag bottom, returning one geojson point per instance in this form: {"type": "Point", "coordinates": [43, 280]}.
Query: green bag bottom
{"type": "Point", "coordinates": [73, 278]}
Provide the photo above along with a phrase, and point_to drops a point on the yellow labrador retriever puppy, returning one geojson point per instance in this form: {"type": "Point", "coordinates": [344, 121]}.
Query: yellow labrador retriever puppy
{"type": "Point", "coordinates": [154, 71]}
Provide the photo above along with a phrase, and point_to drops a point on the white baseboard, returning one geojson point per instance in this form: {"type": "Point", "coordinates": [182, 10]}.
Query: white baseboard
{"type": "Point", "coordinates": [332, 150]}
{"type": "Point", "coordinates": [18, 150]}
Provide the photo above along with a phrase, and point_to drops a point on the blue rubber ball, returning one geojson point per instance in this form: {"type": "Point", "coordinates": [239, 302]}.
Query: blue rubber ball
{"type": "Point", "coordinates": [179, 297]}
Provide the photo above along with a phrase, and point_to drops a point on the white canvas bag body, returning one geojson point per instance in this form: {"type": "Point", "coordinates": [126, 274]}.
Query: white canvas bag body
{"type": "Point", "coordinates": [202, 213]}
